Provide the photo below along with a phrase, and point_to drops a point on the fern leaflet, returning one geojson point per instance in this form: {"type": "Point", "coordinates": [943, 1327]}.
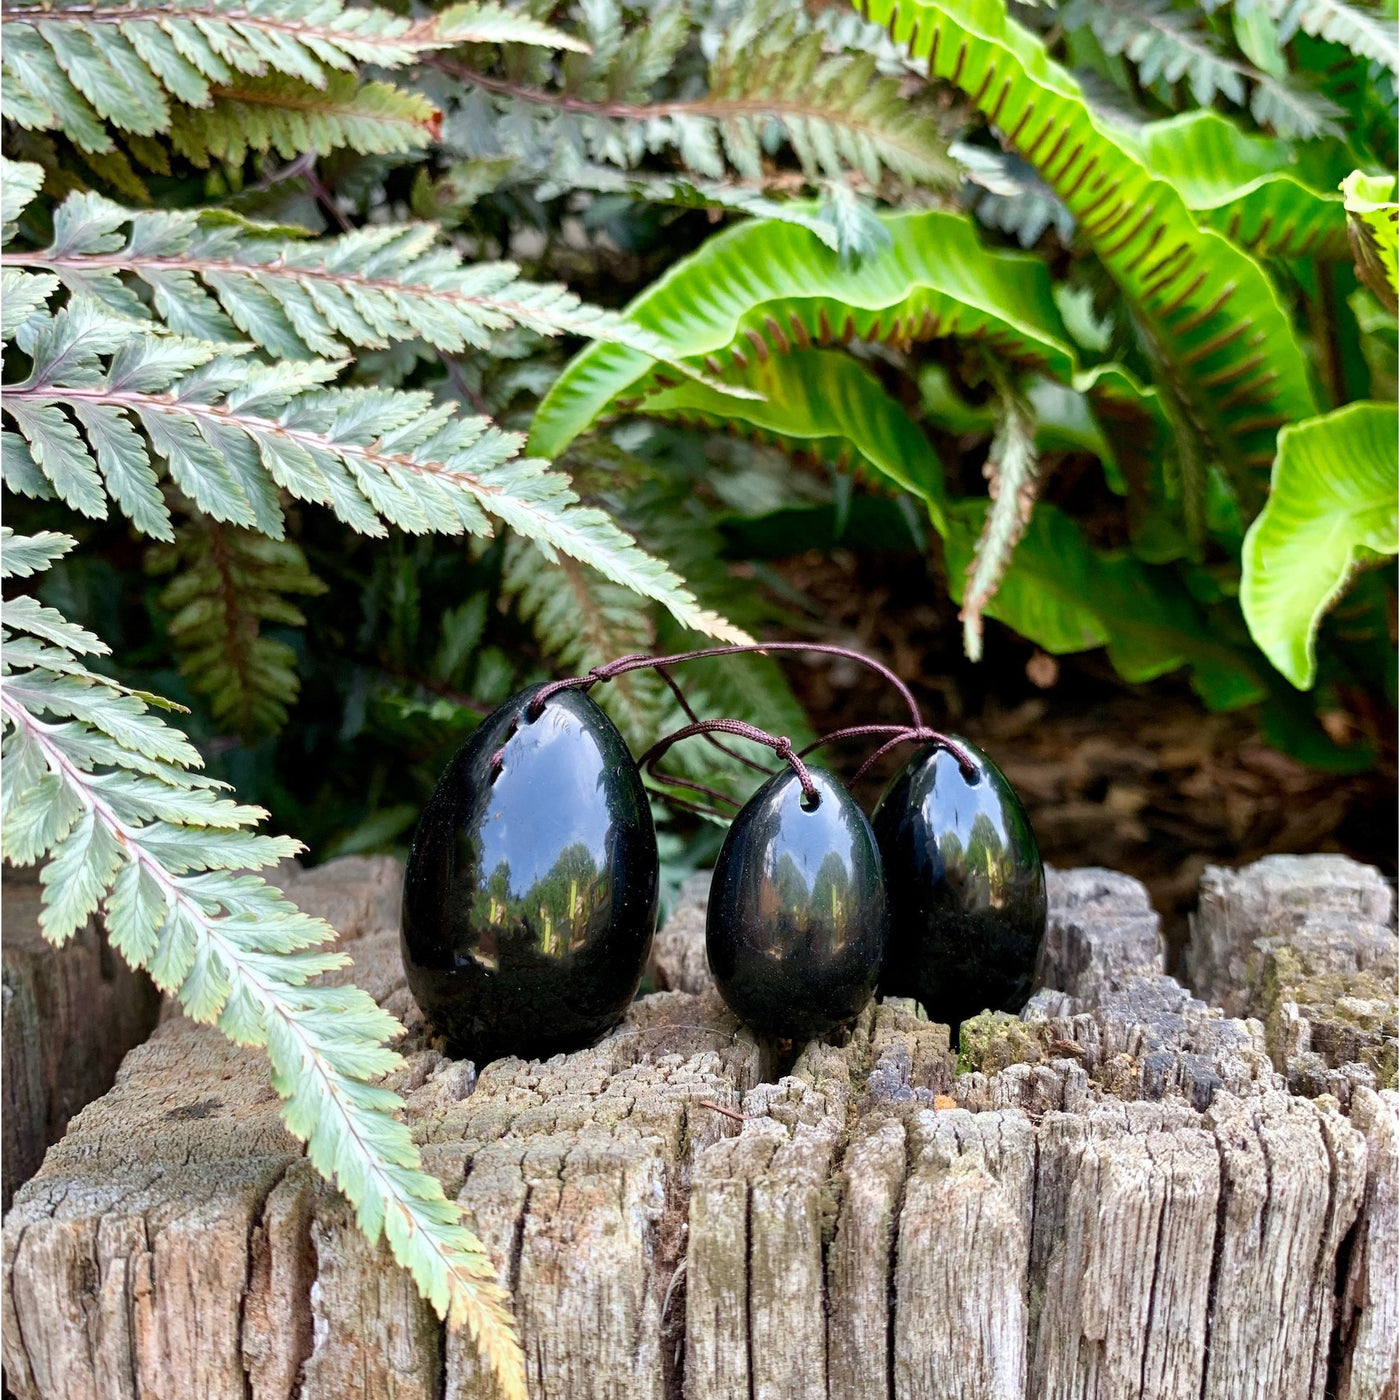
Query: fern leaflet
{"type": "Point", "coordinates": [228, 583]}
{"type": "Point", "coordinates": [1013, 482]}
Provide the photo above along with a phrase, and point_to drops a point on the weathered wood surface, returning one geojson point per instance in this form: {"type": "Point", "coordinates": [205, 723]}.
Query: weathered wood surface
{"type": "Point", "coordinates": [1307, 944]}
{"type": "Point", "coordinates": [69, 1015]}
{"type": "Point", "coordinates": [1117, 1198]}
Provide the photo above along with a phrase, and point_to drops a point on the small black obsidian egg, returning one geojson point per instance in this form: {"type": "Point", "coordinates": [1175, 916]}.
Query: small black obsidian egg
{"type": "Point", "coordinates": [965, 885]}
{"type": "Point", "coordinates": [796, 922]}
{"type": "Point", "coordinates": [529, 900]}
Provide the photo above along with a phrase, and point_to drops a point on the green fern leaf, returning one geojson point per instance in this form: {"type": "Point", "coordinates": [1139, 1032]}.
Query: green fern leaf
{"type": "Point", "coordinates": [238, 956]}
{"type": "Point", "coordinates": [773, 77]}
{"type": "Point", "coordinates": [1169, 46]}
{"type": "Point", "coordinates": [214, 277]}
{"type": "Point", "coordinates": [1013, 482]}
{"type": "Point", "coordinates": [20, 181]}
{"type": "Point", "coordinates": [1206, 311]}
{"type": "Point", "coordinates": [226, 430]}
{"type": "Point", "coordinates": [227, 584]}
{"type": "Point", "coordinates": [258, 64]}
{"type": "Point", "coordinates": [1373, 217]}
{"type": "Point", "coordinates": [760, 289]}
{"type": "Point", "coordinates": [823, 404]}
{"type": "Point", "coordinates": [290, 116]}
{"type": "Point", "coordinates": [1056, 590]}
{"type": "Point", "coordinates": [1250, 188]}
{"type": "Point", "coordinates": [1332, 507]}
{"type": "Point", "coordinates": [582, 620]}
{"type": "Point", "coordinates": [22, 556]}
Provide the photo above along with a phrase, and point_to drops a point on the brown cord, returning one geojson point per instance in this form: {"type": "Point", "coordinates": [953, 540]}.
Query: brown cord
{"type": "Point", "coordinates": [940, 741]}
{"type": "Point", "coordinates": [781, 745]}
{"type": "Point", "coordinates": [638, 660]}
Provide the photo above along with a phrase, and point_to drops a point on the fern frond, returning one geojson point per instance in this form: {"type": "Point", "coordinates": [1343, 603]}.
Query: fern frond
{"type": "Point", "coordinates": [230, 432]}
{"type": "Point", "coordinates": [22, 556]}
{"type": "Point", "coordinates": [1372, 219]}
{"type": "Point", "coordinates": [771, 83]}
{"type": "Point", "coordinates": [1014, 198]}
{"type": "Point", "coordinates": [1164, 43]}
{"type": "Point", "coordinates": [1168, 45]}
{"type": "Point", "coordinates": [761, 289]}
{"type": "Point", "coordinates": [289, 116]}
{"type": "Point", "coordinates": [581, 620]}
{"type": "Point", "coordinates": [140, 67]}
{"type": "Point", "coordinates": [1209, 313]}
{"type": "Point", "coordinates": [1013, 482]}
{"type": "Point", "coordinates": [218, 278]}
{"type": "Point", "coordinates": [227, 584]}
{"type": "Point", "coordinates": [1367, 33]}
{"type": "Point", "coordinates": [158, 852]}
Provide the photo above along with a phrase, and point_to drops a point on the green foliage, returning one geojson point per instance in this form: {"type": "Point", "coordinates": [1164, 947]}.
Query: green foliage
{"type": "Point", "coordinates": [229, 583]}
{"type": "Point", "coordinates": [1365, 32]}
{"type": "Point", "coordinates": [113, 798]}
{"type": "Point", "coordinates": [1332, 507]}
{"type": "Point", "coordinates": [820, 333]}
{"type": "Point", "coordinates": [1206, 312]}
{"type": "Point", "coordinates": [1169, 45]}
{"type": "Point", "coordinates": [762, 289]}
{"type": "Point", "coordinates": [1260, 192]}
{"type": "Point", "coordinates": [220, 78]}
{"type": "Point", "coordinates": [770, 77]}
{"type": "Point", "coordinates": [1012, 473]}
{"type": "Point", "coordinates": [230, 431]}
{"type": "Point", "coordinates": [1212, 361]}
{"type": "Point", "coordinates": [1372, 217]}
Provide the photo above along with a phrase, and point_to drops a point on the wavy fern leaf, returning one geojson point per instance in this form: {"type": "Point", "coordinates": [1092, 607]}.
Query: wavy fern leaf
{"type": "Point", "coordinates": [1332, 507]}
{"type": "Point", "coordinates": [1251, 188]}
{"type": "Point", "coordinates": [1055, 590]}
{"type": "Point", "coordinates": [1212, 321]}
{"type": "Point", "coordinates": [760, 289]}
{"type": "Point", "coordinates": [228, 583]}
{"type": "Point", "coordinates": [823, 404]}
{"type": "Point", "coordinates": [112, 797]}
{"type": "Point", "coordinates": [1373, 228]}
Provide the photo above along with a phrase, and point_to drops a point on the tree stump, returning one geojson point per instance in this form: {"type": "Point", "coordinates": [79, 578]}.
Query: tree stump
{"type": "Point", "coordinates": [70, 1014]}
{"type": "Point", "coordinates": [1124, 1194]}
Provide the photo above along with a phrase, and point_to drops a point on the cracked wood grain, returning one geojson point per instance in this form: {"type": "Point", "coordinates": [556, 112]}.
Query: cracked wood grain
{"type": "Point", "coordinates": [1123, 1200]}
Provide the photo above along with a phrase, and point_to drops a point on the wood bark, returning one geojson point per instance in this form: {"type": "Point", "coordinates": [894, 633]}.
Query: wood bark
{"type": "Point", "coordinates": [1115, 1197]}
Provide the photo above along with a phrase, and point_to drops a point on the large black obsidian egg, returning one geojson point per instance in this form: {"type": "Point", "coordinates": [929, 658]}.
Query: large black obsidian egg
{"type": "Point", "coordinates": [965, 885]}
{"type": "Point", "coordinates": [796, 922]}
{"type": "Point", "coordinates": [529, 900]}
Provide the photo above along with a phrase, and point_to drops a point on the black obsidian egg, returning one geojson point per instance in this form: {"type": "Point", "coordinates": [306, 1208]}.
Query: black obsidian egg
{"type": "Point", "coordinates": [965, 885]}
{"type": "Point", "coordinates": [529, 900]}
{"type": "Point", "coordinates": [796, 922]}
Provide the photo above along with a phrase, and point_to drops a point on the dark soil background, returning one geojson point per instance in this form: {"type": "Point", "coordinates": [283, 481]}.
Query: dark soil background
{"type": "Point", "coordinates": [1139, 778]}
